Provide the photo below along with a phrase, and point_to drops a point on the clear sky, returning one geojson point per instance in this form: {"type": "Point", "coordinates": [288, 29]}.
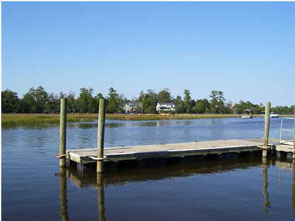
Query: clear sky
{"type": "Point", "coordinates": [247, 50]}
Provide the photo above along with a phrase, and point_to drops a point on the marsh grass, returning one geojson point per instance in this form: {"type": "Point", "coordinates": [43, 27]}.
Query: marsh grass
{"type": "Point", "coordinates": [9, 120]}
{"type": "Point", "coordinates": [13, 120]}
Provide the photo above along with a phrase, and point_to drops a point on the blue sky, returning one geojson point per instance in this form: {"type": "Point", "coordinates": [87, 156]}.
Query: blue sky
{"type": "Point", "coordinates": [244, 49]}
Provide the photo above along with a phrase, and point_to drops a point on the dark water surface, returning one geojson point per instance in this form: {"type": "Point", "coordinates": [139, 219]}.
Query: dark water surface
{"type": "Point", "coordinates": [34, 188]}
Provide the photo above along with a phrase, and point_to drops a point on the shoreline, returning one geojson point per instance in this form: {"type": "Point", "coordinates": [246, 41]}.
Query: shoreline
{"type": "Point", "coordinates": [33, 119]}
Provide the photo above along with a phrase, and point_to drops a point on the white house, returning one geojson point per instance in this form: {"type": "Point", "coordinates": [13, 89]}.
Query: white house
{"type": "Point", "coordinates": [132, 107]}
{"type": "Point", "coordinates": [165, 107]}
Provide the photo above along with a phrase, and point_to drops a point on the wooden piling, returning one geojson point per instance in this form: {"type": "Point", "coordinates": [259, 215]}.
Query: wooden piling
{"type": "Point", "coordinates": [63, 132]}
{"type": "Point", "coordinates": [100, 136]}
{"type": "Point", "coordinates": [266, 129]}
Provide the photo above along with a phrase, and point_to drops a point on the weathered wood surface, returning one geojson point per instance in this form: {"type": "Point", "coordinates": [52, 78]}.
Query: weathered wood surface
{"type": "Point", "coordinates": [63, 131]}
{"type": "Point", "coordinates": [284, 148]}
{"type": "Point", "coordinates": [100, 135]}
{"type": "Point", "coordinates": [137, 152]}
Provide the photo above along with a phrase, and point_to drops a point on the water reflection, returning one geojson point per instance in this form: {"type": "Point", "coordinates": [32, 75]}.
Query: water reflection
{"type": "Point", "coordinates": [265, 185]}
{"type": "Point", "coordinates": [63, 194]}
{"type": "Point", "coordinates": [185, 169]}
{"type": "Point", "coordinates": [122, 176]}
{"type": "Point", "coordinates": [293, 188]}
{"type": "Point", "coordinates": [100, 197]}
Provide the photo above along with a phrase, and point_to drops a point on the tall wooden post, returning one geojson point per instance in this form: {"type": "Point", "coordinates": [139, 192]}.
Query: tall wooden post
{"type": "Point", "coordinates": [266, 129]}
{"type": "Point", "coordinates": [63, 131]}
{"type": "Point", "coordinates": [100, 136]}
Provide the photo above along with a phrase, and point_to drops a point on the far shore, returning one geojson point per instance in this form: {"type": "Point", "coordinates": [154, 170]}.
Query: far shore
{"type": "Point", "coordinates": [27, 119]}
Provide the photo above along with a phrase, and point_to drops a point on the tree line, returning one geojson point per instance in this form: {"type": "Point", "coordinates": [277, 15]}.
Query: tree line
{"type": "Point", "coordinates": [37, 100]}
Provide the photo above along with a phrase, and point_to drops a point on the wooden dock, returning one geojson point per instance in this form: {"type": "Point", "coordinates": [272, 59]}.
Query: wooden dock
{"type": "Point", "coordinates": [160, 152]}
{"type": "Point", "coordinates": [203, 148]}
{"type": "Point", "coordinates": [284, 147]}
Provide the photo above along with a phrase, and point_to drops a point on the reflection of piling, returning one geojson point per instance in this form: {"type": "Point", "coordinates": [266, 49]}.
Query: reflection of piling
{"type": "Point", "coordinates": [265, 185]}
{"type": "Point", "coordinates": [293, 155]}
{"type": "Point", "coordinates": [63, 131]}
{"type": "Point", "coordinates": [100, 197]}
{"type": "Point", "coordinates": [63, 194]}
{"type": "Point", "coordinates": [100, 136]}
{"type": "Point", "coordinates": [293, 189]}
{"type": "Point", "coordinates": [266, 129]}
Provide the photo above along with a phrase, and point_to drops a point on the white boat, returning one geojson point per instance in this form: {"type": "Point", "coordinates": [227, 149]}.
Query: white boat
{"type": "Point", "coordinates": [274, 115]}
{"type": "Point", "coordinates": [246, 116]}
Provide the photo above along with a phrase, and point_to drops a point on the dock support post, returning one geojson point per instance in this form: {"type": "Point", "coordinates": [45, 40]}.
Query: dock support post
{"type": "Point", "coordinates": [266, 129]}
{"type": "Point", "coordinates": [100, 135]}
{"type": "Point", "coordinates": [63, 132]}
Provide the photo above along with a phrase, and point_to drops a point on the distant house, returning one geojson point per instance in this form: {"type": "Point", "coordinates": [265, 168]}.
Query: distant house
{"type": "Point", "coordinates": [165, 107]}
{"type": "Point", "coordinates": [132, 107]}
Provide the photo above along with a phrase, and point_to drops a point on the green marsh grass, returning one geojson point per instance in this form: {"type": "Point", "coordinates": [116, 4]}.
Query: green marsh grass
{"type": "Point", "coordinates": [13, 120]}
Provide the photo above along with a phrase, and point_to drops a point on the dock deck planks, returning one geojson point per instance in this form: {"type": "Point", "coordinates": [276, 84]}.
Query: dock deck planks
{"type": "Point", "coordinates": [140, 152]}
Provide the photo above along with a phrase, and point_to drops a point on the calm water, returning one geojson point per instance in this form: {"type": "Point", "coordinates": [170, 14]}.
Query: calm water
{"type": "Point", "coordinates": [33, 187]}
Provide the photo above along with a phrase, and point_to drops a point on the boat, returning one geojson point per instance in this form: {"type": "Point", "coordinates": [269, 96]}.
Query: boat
{"type": "Point", "coordinates": [247, 114]}
{"type": "Point", "coordinates": [274, 115]}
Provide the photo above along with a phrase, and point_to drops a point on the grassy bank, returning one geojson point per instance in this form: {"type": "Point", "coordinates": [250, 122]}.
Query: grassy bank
{"type": "Point", "coordinates": [34, 119]}
{"type": "Point", "coordinates": [31, 119]}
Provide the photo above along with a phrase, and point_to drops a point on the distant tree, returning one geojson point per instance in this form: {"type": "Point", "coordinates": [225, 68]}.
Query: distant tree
{"type": "Point", "coordinates": [202, 106]}
{"type": "Point", "coordinates": [283, 109]}
{"type": "Point", "coordinates": [121, 101]}
{"type": "Point", "coordinates": [229, 108]}
{"type": "Point", "coordinates": [34, 100]}
{"type": "Point", "coordinates": [217, 102]}
{"type": "Point", "coordinates": [85, 102]}
{"type": "Point", "coordinates": [115, 101]}
{"type": "Point", "coordinates": [9, 101]}
{"type": "Point", "coordinates": [72, 104]}
{"type": "Point", "coordinates": [187, 101]}
{"type": "Point", "coordinates": [97, 97]}
{"type": "Point", "coordinates": [52, 104]}
{"type": "Point", "coordinates": [164, 96]}
{"type": "Point", "coordinates": [27, 104]}
{"type": "Point", "coordinates": [149, 101]}
{"type": "Point", "coordinates": [179, 105]}
{"type": "Point", "coordinates": [241, 106]}
{"type": "Point", "coordinates": [62, 95]}
{"type": "Point", "coordinates": [41, 98]}
{"type": "Point", "coordinates": [113, 105]}
{"type": "Point", "coordinates": [39, 101]}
